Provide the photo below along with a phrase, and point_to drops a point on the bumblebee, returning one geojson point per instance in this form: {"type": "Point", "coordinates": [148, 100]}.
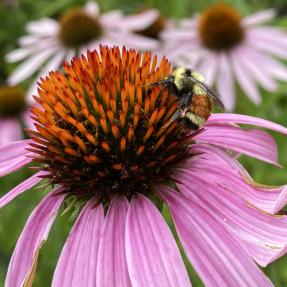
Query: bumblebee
{"type": "Point", "coordinates": [195, 97]}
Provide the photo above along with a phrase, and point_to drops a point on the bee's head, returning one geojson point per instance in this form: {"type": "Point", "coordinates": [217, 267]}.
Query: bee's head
{"type": "Point", "coordinates": [181, 75]}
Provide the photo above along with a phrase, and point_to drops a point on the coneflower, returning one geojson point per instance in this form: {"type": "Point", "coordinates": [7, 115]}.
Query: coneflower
{"type": "Point", "coordinates": [228, 48]}
{"type": "Point", "coordinates": [104, 145]}
{"type": "Point", "coordinates": [14, 114]}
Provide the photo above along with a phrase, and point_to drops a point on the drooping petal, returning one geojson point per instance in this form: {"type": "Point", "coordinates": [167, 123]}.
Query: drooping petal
{"type": "Point", "coordinates": [34, 235]}
{"type": "Point", "coordinates": [215, 163]}
{"type": "Point", "coordinates": [13, 156]}
{"type": "Point", "coordinates": [259, 17]}
{"type": "Point", "coordinates": [255, 143]}
{"type": "Point", "coordinates": [264, 235]}
{"type": "Point", "coordinates": [112, 270]}
{"type": "Point", "coordinates": [225, 82]}
{"type": "Point", "coordinates": [19, 189]}
{"type": "Point", "coordinates": [10, 130]}
{"type": "Point", "coordinates": [217, 256]}
{"type": "Point", "coordinates": [153, 257]}
{"type": "Point", "coordinates": [229, 118]}
{"type": "Point", "coordinates": [77, 264]}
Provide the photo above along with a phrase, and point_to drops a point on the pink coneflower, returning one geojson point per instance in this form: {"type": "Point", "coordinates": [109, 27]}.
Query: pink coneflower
{"type": "Point", "coordinates": [14, 114]}
{"type": "Point", "coordinates": [103, 144]}
{"type": "Point", "coordinates": [227, 48]}
{"type": "Point", "coordinates": [50, 42]}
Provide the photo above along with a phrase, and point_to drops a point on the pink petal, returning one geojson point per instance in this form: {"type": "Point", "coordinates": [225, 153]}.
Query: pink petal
{"type": "Point", "coordinates": [10, 130]}
{"type": "Point", "coordinates": [215, 253]}
{"type": "Point", "coordinates": [28, 121]}
{"type": "Point", "coordinates": [139, 21]}
{"type": "Point", "coordinates": [229, 118]}
{"type": "Point", "coordinates": [109, 19]}
{"type": "Point", "coordinates": [274, 34]}
{"type": "Point", "coordinates": [133, 40]}
{"type": "Point", "coordinates": [13, 156]}
{"type": "Point", "coordinates": [77, 264]}
{"type": "Point", "coordinates": [214, 163]}
{"type": "Point", "coordinates": [53, 64]}
{"type": "Point", "coordinates": [33, 236]}
{"type": "Point", "coordinates": [19, 189]}
{"type": "Point", "coordinates": [244, 78]}
{"type": "Point", "coordinates": [209, 66]}
{"type": "Point", "coordinates": [255, 143]}
{"type": "Point", "coordinates": [225, 82]}
{"type": "Point", "coordinates": [44, 26]}
{"type": "Point", "coordinates": [30, 65]}
{"type": "Point", "coordinates": [153, 257]}
{"type": "Point", "coordinates": [18, 54]}
{"type": "Point", "coordinates": [259, 17]}
{"type": "Point", "coordinates": [112, 269]}
{"type": "Point", "coordinates": [259, 43]}
{"type": "Point", "coordinates": [264, 235]}
{"type": "Point", "coordinates": [258, 70]}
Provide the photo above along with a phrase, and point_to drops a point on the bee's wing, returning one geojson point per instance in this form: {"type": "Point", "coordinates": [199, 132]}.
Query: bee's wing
{"type": "Point", "coordinates": [208, 91]}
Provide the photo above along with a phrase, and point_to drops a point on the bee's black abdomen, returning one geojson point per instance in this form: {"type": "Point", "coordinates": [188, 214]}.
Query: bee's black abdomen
{"type": "Point", "coordinates": [190, 125]}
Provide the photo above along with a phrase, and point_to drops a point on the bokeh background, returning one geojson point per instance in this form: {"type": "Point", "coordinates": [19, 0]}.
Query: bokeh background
{"type": "Point", "coordinates": [13, 17]}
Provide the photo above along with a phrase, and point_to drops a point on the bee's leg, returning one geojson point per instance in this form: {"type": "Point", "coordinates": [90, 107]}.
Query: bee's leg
{"type": "Point", "coordinates": [186, 99]}
{"type": "Point", "coordinates": [175, 116]}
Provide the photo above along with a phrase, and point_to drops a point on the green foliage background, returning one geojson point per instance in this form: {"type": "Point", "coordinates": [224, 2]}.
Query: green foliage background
{"type": "Point", "coordinates": [13, 217]}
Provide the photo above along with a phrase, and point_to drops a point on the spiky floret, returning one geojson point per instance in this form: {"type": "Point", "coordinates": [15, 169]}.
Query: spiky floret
{"type": "Point", "coordinates": [101, 131]}
{"type": "Point", "coordinates": [220, 27]}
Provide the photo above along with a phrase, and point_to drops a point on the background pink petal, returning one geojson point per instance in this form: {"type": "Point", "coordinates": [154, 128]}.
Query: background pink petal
{"type": "Point", "coordinates": [10, 130]}
{"type": "Point", "coordinates": [22, 187]}
{"type": "Point", "coordinates": [138, 21]}
{"type": "Point", "coordinates": [225, 82]}
{"type": "Point", "coordinates": [259, 17]}
{"type": "Point", "coordinates": [33, 236]}
{"type": "Point", "coordinates": [112, 269]}
{"type": "Point", "coordinates": [13, 156]}
{"type": "Point", "coordinates": [216, 255]}
{"type": "Point", "coordinates": [244, 78]}
{"type": "Point", "coordinates": [152, 254]}
{"type": "Point", "coordinates": [77, 264]}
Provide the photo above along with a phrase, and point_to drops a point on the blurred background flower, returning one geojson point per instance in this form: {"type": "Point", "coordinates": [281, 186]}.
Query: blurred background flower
{"type": "Point", "coordinates": [50, 42]}
{"type": "Point", "coordinates": [227, 48]}
{"type": "Point", "coordinates": [14, 114]}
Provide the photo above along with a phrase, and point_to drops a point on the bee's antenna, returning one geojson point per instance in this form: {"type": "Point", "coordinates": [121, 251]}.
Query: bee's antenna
{"type": "Point", "coordinates": [162, 82]}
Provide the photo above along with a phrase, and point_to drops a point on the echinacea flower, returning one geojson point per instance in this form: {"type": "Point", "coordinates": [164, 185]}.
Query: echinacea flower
{"type": "Point", "coordinates": [49, 42]}
{"type": "Point", "coordinates": [14, 114]}
{"type": "Point", "coordinates": [103, 143]}
{"type": "Point", "coordinates": [227, 49]}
